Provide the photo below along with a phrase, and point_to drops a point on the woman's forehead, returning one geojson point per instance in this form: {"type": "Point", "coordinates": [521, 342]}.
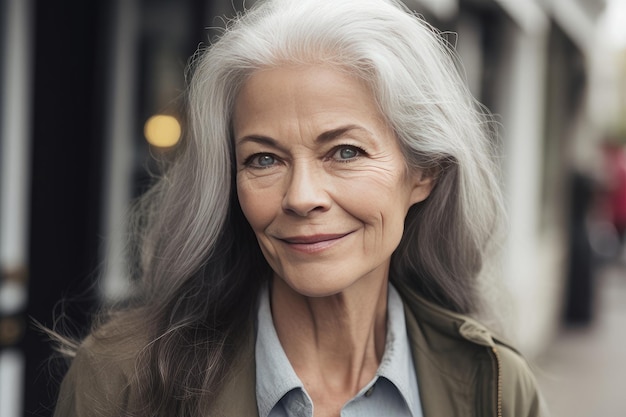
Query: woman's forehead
{"type": "Point", "coordinates": [310, 93]}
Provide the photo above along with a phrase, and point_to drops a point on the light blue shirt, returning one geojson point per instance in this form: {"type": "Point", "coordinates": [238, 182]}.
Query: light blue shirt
{"type": "Point", "coordinates": [392, 392]}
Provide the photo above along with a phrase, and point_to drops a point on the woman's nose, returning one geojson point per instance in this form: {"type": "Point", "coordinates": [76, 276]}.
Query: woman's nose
{"type": "Point", "coordinates": [306, 192]}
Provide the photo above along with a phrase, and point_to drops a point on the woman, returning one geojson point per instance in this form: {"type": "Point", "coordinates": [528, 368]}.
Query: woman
{"type": "Point", "coordinates": [318, 244]}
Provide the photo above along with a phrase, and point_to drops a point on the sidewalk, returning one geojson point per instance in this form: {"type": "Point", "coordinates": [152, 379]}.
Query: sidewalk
{"type": "Point", "coordinates": [583, 372]}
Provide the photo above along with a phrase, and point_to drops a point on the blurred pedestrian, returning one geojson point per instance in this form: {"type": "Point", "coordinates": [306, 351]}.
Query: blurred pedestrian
{"type": "Point", "coordinates": [615, 165]}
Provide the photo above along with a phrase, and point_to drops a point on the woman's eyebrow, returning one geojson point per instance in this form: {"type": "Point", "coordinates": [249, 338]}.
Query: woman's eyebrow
{"type": "Point", "coordinates": [263, 140]}
{"type": "Point", "coordinates": [340, 131]}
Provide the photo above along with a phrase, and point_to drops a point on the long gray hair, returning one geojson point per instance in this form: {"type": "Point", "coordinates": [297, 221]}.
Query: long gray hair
{"type": "Point", "coordinates": [201, 267]}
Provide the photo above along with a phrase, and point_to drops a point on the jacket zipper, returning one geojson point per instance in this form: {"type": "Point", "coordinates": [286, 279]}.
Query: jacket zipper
{"type": "Point", "coordinates": [496, 355]}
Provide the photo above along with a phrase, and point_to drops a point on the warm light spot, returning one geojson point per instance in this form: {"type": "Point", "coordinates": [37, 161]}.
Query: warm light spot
{"type": "Point", "coordinates": [162, 131]}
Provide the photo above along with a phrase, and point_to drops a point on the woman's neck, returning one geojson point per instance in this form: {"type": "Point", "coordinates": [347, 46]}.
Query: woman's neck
{"type": "Point", "coordinates": [334, 343]}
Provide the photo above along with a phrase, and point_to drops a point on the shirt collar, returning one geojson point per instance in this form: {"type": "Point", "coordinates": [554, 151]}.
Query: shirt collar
{"type": "Point", "coordinates": [275, 376]}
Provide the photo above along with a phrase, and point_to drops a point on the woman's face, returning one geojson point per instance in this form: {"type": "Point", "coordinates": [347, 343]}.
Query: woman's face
{"type": "Point", "coordinates": [320, 177]}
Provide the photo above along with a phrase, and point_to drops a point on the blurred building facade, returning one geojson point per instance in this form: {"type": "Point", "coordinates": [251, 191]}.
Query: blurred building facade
{"type": "Point", "coordinates": [79, 81]}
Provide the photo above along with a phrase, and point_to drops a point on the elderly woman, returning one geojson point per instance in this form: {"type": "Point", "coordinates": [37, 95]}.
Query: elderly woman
{"type": "Point", "coordinates": [318, 245]}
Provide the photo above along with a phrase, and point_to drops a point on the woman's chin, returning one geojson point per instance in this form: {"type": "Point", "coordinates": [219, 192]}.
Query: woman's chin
{"type": "Point", "coordinates": [316, 286]}
{"type": "Point", "coordinates": [313, 286]}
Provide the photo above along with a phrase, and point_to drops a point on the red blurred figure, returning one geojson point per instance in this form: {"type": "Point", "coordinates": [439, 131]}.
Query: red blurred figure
{"type": "Point", "coordinates": [615, 200]}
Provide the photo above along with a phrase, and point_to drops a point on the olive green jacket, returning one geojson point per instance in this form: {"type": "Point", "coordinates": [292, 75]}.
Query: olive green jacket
{"type": "Point", "coordinates": [462, 371]}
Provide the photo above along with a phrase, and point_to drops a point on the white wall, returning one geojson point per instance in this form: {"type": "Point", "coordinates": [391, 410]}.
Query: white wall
{"type": "Point", "coordinates": [534, 258]}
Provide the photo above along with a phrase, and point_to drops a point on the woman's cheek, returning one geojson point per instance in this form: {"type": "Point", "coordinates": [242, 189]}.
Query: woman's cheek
{"type": "Point", "coordinates": [256, 203]}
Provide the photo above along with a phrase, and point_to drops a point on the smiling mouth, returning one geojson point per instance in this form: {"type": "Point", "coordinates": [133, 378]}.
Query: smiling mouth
{"type": "Point", "coordinates": [313, 243]}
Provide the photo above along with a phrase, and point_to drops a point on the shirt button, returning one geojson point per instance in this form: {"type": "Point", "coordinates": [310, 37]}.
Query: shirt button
{"type": "Point", "coordinates": [370, 391]}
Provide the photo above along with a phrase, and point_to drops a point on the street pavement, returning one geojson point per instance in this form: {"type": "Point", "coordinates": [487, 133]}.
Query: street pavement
{"type": "Point", "coordinates": [583, 371]}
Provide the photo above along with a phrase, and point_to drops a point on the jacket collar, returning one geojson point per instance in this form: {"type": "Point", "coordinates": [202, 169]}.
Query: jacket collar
{"type": "Point", "coordinates": [445, 321]}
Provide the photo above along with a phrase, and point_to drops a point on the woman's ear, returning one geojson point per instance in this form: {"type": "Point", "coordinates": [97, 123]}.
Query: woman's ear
{"type": "Point", "coordinates": [423, 183]}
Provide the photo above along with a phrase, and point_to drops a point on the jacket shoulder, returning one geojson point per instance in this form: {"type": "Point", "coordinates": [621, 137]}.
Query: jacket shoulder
{"type": "Point", "coordinates": [97, 382]}
{"type": "Point", "coordinates": [465, 349]}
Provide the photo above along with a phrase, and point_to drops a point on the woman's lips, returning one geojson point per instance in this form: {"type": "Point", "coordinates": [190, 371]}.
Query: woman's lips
{"type": "Point", "coordinates": [313, 243]}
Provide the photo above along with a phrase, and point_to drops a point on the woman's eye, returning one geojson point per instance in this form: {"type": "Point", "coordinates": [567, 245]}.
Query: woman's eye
{"type": "Point", "coordinates": [346, 153]}
{"type": "Point", "coordinates": [261, 161]}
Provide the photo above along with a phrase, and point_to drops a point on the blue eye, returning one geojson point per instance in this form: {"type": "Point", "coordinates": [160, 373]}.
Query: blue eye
{"type": "Point", "coordinates": [346, 153]}
{"type": "Point", "coordinates": [265, 160]}
{"type": "Point", "coordinates": [260, 160]}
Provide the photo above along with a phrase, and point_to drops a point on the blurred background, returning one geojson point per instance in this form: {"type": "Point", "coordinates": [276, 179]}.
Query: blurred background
{"type": "Point", "coordinates": [89, 96]}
